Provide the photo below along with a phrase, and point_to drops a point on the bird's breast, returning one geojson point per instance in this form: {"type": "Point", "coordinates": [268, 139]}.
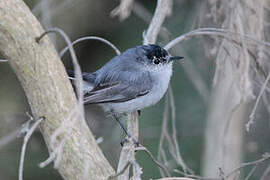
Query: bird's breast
{"type": "Point", "coordinates": [160, 80]}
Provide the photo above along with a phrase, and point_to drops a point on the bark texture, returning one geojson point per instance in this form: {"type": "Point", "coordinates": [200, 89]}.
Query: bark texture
{"type": "Point", "coordinates": [233, 87]}
{"type": "Point", "coordinates": [49, 93]}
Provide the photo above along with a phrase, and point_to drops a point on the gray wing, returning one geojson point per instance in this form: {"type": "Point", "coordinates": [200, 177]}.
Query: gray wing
{"type": "Point", "coordinates": [118, 89]}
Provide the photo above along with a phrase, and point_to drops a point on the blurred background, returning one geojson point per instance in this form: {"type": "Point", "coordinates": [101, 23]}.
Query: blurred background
{"type": "Point", "coordinates": [202, 117]}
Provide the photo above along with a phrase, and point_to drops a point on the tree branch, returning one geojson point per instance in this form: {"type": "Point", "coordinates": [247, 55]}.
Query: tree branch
{"type": "Point", "coordinates": [163, 9]}
{"type": "Point", "coordinates": [49, 92]}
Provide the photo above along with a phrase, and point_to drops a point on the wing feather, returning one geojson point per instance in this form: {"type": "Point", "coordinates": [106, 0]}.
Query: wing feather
{"type": "Point", "coordinates": [119, 91]}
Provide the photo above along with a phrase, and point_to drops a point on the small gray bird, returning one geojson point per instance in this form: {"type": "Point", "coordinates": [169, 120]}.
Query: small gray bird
{"type": "Point", "coordinates": [136, 79]}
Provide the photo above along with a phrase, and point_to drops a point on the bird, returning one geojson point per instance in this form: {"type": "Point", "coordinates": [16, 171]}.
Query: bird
{"type": "Point", "coordinates": [136, 79]}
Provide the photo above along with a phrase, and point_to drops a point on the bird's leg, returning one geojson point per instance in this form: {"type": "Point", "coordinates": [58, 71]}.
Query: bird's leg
{"type": "Point", "coordinates": [139, 112]}
{"type": "Point", "coordinates": [136, 143]}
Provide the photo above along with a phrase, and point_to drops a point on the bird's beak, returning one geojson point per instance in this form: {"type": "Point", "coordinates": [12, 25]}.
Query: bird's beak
{"type": "Point", "coordinates": [172, 58]}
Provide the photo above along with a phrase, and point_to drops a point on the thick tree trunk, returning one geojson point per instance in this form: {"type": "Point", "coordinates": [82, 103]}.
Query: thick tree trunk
{"type": "Point", "coordinates": [232, 89]}
{"type": "Point", "coordinates": [49, 93]}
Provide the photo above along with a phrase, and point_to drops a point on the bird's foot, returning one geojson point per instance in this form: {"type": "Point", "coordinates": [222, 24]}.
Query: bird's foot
{"type": "Point", "coordinates": [130, 139]}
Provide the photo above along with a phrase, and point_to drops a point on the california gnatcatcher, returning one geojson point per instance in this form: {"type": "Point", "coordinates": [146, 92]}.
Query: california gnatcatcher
{"type": "Point", "coordinates": [136, 79]}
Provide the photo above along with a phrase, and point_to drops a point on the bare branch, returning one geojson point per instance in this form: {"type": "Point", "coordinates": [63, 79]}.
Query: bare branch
{"type": "Point", "coordinates": [252, 114]}
{"type": "Point", "coordinates": [165, 135]}
{"type": "Point", "coordinates": [127, 154]}
{"type": "Point", "coordinates": [178, 156]}
{"type": "Point", "coordinates": [120, 172]}
{"type": "Point", "coordinates": [49, 92]}
{"type": "Point", "coordinates": [216, 32]}
{"type": "Point", "coordinates": [161, 153]}
{"type": "Point", "coordinates": [56, 154]}
{"type": "Point", "coordinates": [195, 176]}
{"type": "Point", "coordinates": [25, 141]}
{"type": "Point", "coordinates": [251, 172]}
{"type": "Point", "coordinates": [128, 150]}
{"type": "Point", "coordinates": [117, 51]}
{"type": "Point", "coordinates": [142, 148]}
{"type": "Point", "coordinates": [265, 173]}
{"type": "Point", "coordinates": [264, 158]}
{"type": "Point", "coordinates": [163, 9]}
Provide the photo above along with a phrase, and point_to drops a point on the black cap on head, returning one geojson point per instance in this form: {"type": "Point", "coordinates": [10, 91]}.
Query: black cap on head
{"type": "Point", "coordinates": [153, 50]}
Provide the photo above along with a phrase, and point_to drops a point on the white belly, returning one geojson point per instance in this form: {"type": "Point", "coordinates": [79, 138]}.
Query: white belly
{"type": "Point", "coordinates": [161, 79]}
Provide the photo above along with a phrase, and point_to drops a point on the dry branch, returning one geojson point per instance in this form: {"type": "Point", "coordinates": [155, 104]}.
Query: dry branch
{"type": "Point", "coordinates": [127, 155]}
{"type": "Point", "coordinates": [25, 141]}
{"type": "Point", "coordinates": [232, 89]}
{"type": "Point", "coordinates": [163, 9]}
{"type": "Point", "coordinates": [117, 51]}
{"type": "Point", "coordinates": [48, 90]}
{"type": "Point", "coordinates": [128, 151]}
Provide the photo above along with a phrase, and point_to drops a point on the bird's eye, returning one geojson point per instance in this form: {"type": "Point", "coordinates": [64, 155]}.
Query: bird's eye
{"type": "Point", "coordinates": [156, 61]}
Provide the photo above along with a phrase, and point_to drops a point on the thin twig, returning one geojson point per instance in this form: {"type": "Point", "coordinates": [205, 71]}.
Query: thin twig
{"type": "Point", "coordinates": [25, 141]}
{"type": "Point", "coordinates": [195, 176]}
{"type": "Point", "coordinates": [142, 148]}
{"type": "Point", "coordinates": [265, 157]}
{"type": "Point", "coordinates": [3, 60]}
{"type": "Point", "coordinates": [165, 134]}
{"type": "Point", "coordinates": [50, 159]}
{"type": "Point", "coordinates": [64, 127]}
{"type": "Point", "coordinates": [77, 69]}
{"type": "Point", "coordinates": [161, 153]}
{"type": "Point", "coordinates": [251, 172]}
{"type": "Point", "coordinates": [46, 17]}
{"type": "Point", "coordinates": [252, 115]}
{"type": "Point", "coordinates": [64, 50]}
{"type": "Point", "coordinates": [212, 31]}
{"type": "Point", "coordinates": [172, 140]}
{"type": "Point", "coordinates": [265, 173]}
{"type": "Point", "coordinates": [179, 158]}
{"type": "Point", "coordinates": [56, 154]}
{"type": "Point", "coordinates": [59, 153]}
{"type": "Point", "coordinates": [120, 172]}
